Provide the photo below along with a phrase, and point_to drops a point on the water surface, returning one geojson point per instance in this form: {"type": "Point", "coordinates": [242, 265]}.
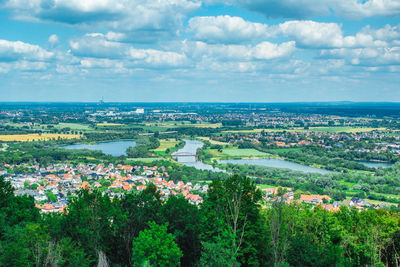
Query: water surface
{"type": "Point", "coordinates": [190, 148]}
{"type": "Point", "coordinates": [276, 163]}
{"type": "Point", "coordinates": [115, 148]}
{"type": "Point", "coordinates": [376, 165]}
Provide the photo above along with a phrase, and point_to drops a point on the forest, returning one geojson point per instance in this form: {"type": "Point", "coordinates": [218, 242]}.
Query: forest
{"type": "Point", "coordinates": [231, 227]}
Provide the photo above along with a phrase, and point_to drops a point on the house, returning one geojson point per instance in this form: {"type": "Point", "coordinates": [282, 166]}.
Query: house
{"type": "Point", "coordinates": [314, 199]}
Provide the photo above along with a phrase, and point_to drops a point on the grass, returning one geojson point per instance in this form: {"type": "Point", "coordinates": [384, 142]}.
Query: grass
{"type": "Point", "coordinates": [212, 141]}
{"type": "Point", "coordinates": [277, 150]}
{"type": "Point", "coordinates": [344, 129]}
{"type": "Point", "coordinates": [37, 137]}
{"type": "Point", "coordinates": [313, 129]}
{"type": "Point", "coordinates": [249, 152]}
{"type": "Point", "coordinates": [165, 144]}
{"type": "Point", "coordinates": [265, 186]}
{"type": "Point", "coordinates": [145, 159]}
{"type": "Point", "coordinates": [109, 124]}
{"type": "Point", "coordinates": [174, 124]}
{"type": "Point", "coordinates": [74, 126]}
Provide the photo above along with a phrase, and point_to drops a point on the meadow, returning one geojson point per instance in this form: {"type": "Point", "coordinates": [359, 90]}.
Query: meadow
{"type": "Point", "coordinates": [248, 152]}
{"type": "Point", "coordinates": [313, 129]}
{"type": "Point", "coordinates": [202, 138]}
{"type": "Point", "coordinates": [165, 144]}
{"type": "Point", "coordinates": [37, 137]}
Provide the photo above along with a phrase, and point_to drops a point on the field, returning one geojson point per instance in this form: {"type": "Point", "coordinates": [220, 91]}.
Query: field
{"type": "Point", "coordinates": [249, 152]}
{"type": "Point", "coordinates": [74, 126]}
{"type": "Point", "coordinates": [145, 159]}
{"type": "Point", "coordinates": [212, 141]}
{"type": "Point", "coordinates": [313, 129]}
{"type": "Point", "coordinates": [109, 124]}
{"type": "Point", "coordinates": [344, 129]}
{"type": "Point", "coordinates": [173, 124]}
{"type": "Point", "coordinates": [165, 144]}
{"type": "Point", "coordinates": [277, 150]}
{"type": "Point", "coordinates": [37, 137]}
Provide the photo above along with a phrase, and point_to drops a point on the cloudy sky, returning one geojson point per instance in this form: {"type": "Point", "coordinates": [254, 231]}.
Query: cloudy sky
{"type": "Point", "coordinates": [200, 50]}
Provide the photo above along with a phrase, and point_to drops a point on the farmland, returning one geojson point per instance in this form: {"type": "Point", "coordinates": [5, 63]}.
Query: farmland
{"type": "Point", "coordinates": [165, 144]}
{"type": "Point", "coordinates": [313, 129]}
{"type": "Point", "coordinates": [250, 152]}
{"type": "Point", "coordinates": [37, 137]}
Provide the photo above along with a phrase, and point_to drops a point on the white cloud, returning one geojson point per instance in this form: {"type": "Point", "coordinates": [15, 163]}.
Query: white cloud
{"type": "Point", "coordinates": [267, 50]}
{"type": "Point", "coordinates": [53, 39]}
{"type": "Point", "coordinates": [227, 29]}
{"type": "Point", "coordinates": [96, 45]}
{"type": "Point", "coordinates": [301, 9]}
{"type": "Point", "coordinates": [388, 33]}
{"type": "Point", "coordinates": [13, 51]}
{"type": "Point", "coordinates": [311, 34]}
{"type": "Point", "coordinates": [262, 51]}
{"type": "Point", "coordinates": [379, 56]}
{"type": "Point", "coordinates": [120, 15]}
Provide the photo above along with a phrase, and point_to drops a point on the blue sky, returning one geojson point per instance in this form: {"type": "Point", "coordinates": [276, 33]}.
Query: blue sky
{"type": "Point", "coordinates": [202, 51]}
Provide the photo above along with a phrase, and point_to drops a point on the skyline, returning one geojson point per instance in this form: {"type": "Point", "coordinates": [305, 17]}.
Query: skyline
{"type": "Point", "coordinates": [200, 51]}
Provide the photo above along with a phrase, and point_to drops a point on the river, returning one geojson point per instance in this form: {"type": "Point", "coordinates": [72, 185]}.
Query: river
{"type": "Point", "coordinates": [115, 148]}
{"type": "Point", "coordinates": [191, 147]}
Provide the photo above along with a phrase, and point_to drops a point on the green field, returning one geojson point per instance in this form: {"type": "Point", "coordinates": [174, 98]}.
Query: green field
{"type": "Point", "coordinates": [74, 126]}
{"type": "Point", "coordinates": [145, 159]}
{"type": "Point", "coordinates": [264, 186]}
{"type": "Point", "coordinates": [344, 129]}
{"type": "Point", "coordinates": [312, 129]}
{"type": "Point", "coordinates": [174, 124]}
{"type": "Point", "coordinates": [166, 143]}
{"type": "Point", "coordinates": [277, 150]}
{"type": "Point", "coordinates": [249, 152]}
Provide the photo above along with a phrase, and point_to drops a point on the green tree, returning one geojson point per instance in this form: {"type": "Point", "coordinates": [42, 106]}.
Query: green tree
{"type": "Point", "coordinates": [135, 211]}
{"type": "Point", "coordinates": [184, 222]}
{"type": "Point", "coordinates": [156, 247]}
{"type": "Point", "coordinates": [232, 208]}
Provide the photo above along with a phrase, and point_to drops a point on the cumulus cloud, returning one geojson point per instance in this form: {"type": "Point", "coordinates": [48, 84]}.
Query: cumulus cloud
{"type": "Point", "coordinates": [262, 51]}
{"type": "Point", "coordinates": [311, 34]}
{"type": "Point", "coordinates": [53, 40]}
{"type": "Point", "coordinates": [303, 9]}
{"type": "Point", "coordinates": [371, 57]}
{"type": "Point", "coordinates": [14, 51]}
{"type": "Point", "coordinates": [97, 45]}
{"type": "Point", "coordinates": [120, 15]}
{"type": "Point", "coordinates": [227, 29]}
{"type": "Point", "coordinates": [388, 33]}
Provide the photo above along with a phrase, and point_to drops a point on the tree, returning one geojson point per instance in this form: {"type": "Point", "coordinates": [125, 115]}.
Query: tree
{"type": "Point", "coordinates": [184, 222]}
{"type": "Point", "coordinates": [281, 225]}
{"type": "Point", "coordinates": [232, 207]}
{"type": "Point", "coordinates": [136, 210]}
{"type": "Point", "coordinates": [89, 221]}
{"type": "Point", "coordinates": [156, 247]}
{"type": "Point", "coordinates": [217, 254]}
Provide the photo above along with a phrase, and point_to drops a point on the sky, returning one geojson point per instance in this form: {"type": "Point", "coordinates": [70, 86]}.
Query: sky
{"type": "Point", "coordinates": [199, 50]}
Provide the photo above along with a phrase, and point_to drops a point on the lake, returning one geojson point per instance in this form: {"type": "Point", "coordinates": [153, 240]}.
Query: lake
{"type": "Point", "coordinates": [376, 165]}
{"type": "Point", "coordinates": [191, 147]}
{"type": "Point", "coordinates": [115, 148]}
{"type": "Point", "coordinates": [276, 163]}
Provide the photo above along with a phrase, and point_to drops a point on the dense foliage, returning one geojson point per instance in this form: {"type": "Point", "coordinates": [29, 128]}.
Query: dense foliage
{"type": "Point", "coordinates": [230, 228]}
